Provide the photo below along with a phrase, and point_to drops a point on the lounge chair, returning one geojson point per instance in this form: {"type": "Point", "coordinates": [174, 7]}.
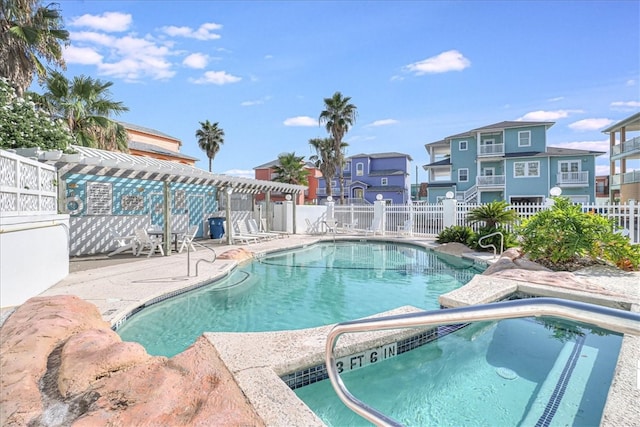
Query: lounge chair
{"type": "Point", "coordinates": [151, 243]}
{"type": "Point", "coordinates": [241, 233]}
{"type": "Point", "coordinates": [332, 225]}
{"type": "Point", "coordinates": [186, 240]}
{"type": "Point", "coordinates": [254, 229]}
{"type": "Point", "coordinates": [311, 228]}
{"type": "Point", "coordinates": [352, 226]}
{"type": "Point", "coordinates": [124, 243]}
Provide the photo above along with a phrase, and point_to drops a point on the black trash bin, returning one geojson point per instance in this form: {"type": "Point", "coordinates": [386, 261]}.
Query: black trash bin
{"type": "Point", "coordinates": [216, 228]}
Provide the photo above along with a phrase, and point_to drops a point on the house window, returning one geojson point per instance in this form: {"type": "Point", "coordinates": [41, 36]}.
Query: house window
{"type": "Point", "coordinates": [463, 175]}
{"type": "Point", "coordinates": [347, 166]}
{"type": "Point", "coordinates": [462, 145]}
{"type": "Point", "coordinates": [359, 169]}
{"type": "Point", "coordinates": [524, 138]}
{"type": "Point", "coordinates": [526, 169]}
{"type": "Point", "coordinates": [384, 181]}
{"type": "Point", "coordinates": [570, 166]}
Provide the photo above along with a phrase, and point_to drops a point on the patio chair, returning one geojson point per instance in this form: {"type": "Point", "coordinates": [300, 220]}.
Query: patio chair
{"type": "Point", "coordinates": [151, 243]}
{"type": "Point", "coordinates": [406, 229]}
{"type": "Point", "coordinates": [311, 228]}
{"type": "Point", "coordinates": [376, 227]}
{"type": "Point", "coordinates": [352, 226]}
{"type": "Point", "coordinates": [186, 240]}
{"type": "Point", "coordinates": [332, 225]}
{"type": "Point", "coordinates": [124, 243]}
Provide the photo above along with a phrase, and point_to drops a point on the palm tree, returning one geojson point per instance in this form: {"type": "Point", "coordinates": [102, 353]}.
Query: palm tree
{"type": "Point", "coordinates": [493, 214]}
{"type": "Point", "coordinates": [28, 32]}
{"type": "Point", "coordinates": [85, 105]}
{"type": "Point", "coordinates": [290, 169]}
{"type": "Point", "coordinates": [337, 117]}
{"type": "Point", "coordinates": [210, 137]}
{"type": "Point", "coordinates": [325, 159]}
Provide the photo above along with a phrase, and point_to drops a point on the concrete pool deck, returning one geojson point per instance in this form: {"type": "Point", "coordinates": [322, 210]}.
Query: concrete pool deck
{"type": "Point", "coordinates": [118, 286]}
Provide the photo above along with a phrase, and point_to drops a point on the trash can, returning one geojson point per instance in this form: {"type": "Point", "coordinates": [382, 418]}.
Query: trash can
{"type": "Point", "coordinates": [216, 227]}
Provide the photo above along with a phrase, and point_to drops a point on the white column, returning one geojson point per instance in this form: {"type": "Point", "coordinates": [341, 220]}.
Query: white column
{"type": "Point", "coordinates": [450, 212]}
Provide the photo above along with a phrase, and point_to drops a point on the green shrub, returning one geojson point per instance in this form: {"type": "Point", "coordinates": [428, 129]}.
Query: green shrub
{"type": "Point", "coordinates": [564, 233]}
{"type": "Point", "coordinates": [455, 233]}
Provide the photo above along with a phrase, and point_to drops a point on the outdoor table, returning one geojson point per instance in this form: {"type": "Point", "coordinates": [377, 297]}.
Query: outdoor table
{"type": "Point", "coordinates": [174, 236]}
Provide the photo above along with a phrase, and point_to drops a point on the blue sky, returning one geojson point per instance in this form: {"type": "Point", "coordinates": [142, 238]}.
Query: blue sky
{"type": "Point", "coordinates": [418, 71]}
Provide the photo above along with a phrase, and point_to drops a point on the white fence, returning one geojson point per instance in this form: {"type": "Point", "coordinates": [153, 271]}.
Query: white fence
{"type": "Point", "coordinates": [429, 220]}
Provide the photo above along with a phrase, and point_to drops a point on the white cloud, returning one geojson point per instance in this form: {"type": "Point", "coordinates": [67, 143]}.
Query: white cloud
{"type": "Point", "coordinates": [204, 32]}
{"type": "Point", "coordinates": [625, 105]}
{"type": "Point", "coordinates": [217, 78]}
{"type": "Point", "coordinates": [301, 121]}
{"type": "Point", "coordinates": [632, 82]}
{"type": "Point", "coordinates": [451, 60]}
{"type": "Point", "coordinates": [81, 55]}
{"type": "Point", "coordinates": [383, 122]}
{"type": "Point", "coordinates": [255, 102]}
{"type": "Point", "coordinates": [556, 99]}
{"type": "Point", "coordinates": [241, 173]}
{"type": "Point", "coordinates": [602, 170]}
{"type": "Point", "coordinates": [602, 145]}
{"type": "Point", "coordinates": [590, 124]}
{"type": "Point", "coordinates": [196, 60]}
{"type": "Point", "coordinates": [542, 115]}
{"type": "Point", "coordinates": [108, 21]}
{"type": "Point", "coordinates": [92, 37]}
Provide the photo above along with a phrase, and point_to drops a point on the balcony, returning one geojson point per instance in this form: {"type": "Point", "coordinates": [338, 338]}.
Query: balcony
{"type": "Point", "coordinates": [628, 149]}
{"type": "Point", "coordinates": [489, 150]}
{"type": "Point", "coordinates": [490, 181]}
{"type": "Point", "coordinates": [573, 179]}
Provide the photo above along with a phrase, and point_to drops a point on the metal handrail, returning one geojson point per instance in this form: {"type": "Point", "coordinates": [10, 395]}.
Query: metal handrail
{"type": "Point", "coordinates": [492, 245]}
{"type": "Point", "coordinates": [200, 260]}
{"type": "Point", "coordinates": [604, 317]}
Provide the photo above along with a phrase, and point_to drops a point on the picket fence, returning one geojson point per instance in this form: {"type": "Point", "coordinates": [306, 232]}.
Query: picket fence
{"type": "Point", "coordinates": [428, 219]}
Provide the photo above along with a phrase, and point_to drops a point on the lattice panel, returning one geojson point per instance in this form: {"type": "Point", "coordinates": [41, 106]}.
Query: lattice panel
{"type": "Point", "coordinates": [8, 202]}
{"type": "Point", "coordinates": [29, 202]}
{"type": "Point", "coordinates": [47, 180]}
{"type": "Point", "coordinates": [28, 176]}
{"type": "Point", "coordinates": [92, 234]}
{"type": "Point", "coordinates": [48, 203]}
{"type": "Point", "coordinates": [8, 172]}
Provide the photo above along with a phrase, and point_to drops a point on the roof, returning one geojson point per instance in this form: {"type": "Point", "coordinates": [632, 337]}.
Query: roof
{"type": "Point", "coordinates": [148, 131]}
{"type": "Point", "coordinates": [387, 172]}
{"type": "Point", "coordinates": [631, 123]}
{"type": "Point", "coordinates": [381, 155]}
{"type": "Point", "coordinates": [555, 152]}
{"type": "Point", "coordinates": [500, 126]}
{"type": "Point", "coordinates": [387, 188]}
{"type": "Point", "coordinates": [443, 162]}
{"type": "Point", "coordinates": [276, 162]}
{"type": "Point", "coordinates": [155, 149]}
{"type": "Point", "coordinates": [92, 161]}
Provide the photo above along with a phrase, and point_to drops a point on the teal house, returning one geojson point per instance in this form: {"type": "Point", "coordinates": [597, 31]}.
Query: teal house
{"type": "Point", "coordinates": [508, 161]}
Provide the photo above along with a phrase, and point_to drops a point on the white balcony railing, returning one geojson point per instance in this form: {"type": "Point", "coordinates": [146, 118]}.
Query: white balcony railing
{"type": "Point", "coordinates": [491, 150]}
{"type": "Point", "coordinates": [573, 178]}
{"type": "Point", "coordinates": [627, 146]}
{"type": "Point", "coordinates": [490, 181]}
{"type": "Point", "coordinates": [631, 177]}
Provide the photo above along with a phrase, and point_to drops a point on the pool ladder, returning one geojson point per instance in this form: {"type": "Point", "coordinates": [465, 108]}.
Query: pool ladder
{"type": "Point", "coordinates": [200, 260]}
{"type": "Point", "coordinates": [608, 318]}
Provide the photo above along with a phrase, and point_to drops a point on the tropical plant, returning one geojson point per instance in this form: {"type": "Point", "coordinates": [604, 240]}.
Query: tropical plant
{"type": "Point", "coordinates": [337, 117]}
{"type": "Point", "coordinates": [85, 105]}
{"type": "Point", "coordinates": [492, 214]}
{"type": "Point", "coordinates": [564, 234]}
{"type": "Point", "coordinates": [455, 233]}
{"type": "Point", "coordinates": [290, 169]}
{"type": "Point", "coordinates": [24, 125]}
{"type": "Point", "coordinates": [324, 159]}
{"type": "Point", "coordinates": [29, 32]}
{"type": "Point", "coordinates": [210, 138]}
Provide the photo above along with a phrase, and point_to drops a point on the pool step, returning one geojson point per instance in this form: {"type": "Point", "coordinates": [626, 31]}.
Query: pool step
{"type": "Point", "coordinates": [559, 397]}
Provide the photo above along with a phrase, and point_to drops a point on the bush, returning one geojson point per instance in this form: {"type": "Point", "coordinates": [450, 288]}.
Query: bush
{"type": "Point", "coordinates": [24, 125]}
{"type": "Point", "coordinates": [564, 234]}
{"type": "Point", "coordinates": [455, 233]}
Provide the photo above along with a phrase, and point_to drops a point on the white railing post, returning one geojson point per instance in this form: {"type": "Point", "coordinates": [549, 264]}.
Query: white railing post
{"type": "Point", "coordinates": [632, 221]}
{"type": "Point", "coordinates": [449, 212]}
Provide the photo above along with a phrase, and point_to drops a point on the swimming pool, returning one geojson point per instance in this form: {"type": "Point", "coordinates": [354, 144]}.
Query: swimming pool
{"type": "Point", "coordinates": [512, 372]}
{"type": "Point", "coordinates": [317, 285]}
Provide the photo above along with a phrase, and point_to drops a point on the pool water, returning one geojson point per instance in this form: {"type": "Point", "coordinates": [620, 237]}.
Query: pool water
{"type": "Point", "coordinates": [318, 285]}
{"type": "Point", "coordinates": [513, 372]}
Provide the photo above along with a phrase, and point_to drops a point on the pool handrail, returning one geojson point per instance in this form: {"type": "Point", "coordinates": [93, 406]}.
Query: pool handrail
{"type": "Point", "coordinates": [604, 317]}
